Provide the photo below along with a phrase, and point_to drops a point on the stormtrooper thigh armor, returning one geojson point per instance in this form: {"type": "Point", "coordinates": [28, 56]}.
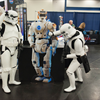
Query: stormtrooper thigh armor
{"type": "Point", "coordinates": [74, 66]}
{"type": "Point", "coordinates": [10, 38]}
{"type": "Point", "coordinates": [9, 65]}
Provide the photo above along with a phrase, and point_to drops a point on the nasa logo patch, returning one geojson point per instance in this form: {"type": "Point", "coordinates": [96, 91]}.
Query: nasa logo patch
{"type": "Point", "coordinates": [11, 1]}
{"type": "Point", "coordinates": [38, 27]}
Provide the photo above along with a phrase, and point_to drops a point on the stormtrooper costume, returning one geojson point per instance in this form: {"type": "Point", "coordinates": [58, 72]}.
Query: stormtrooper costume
{"type": "Point", "coordinates": [41, 42]}
{"type": "Point", "coordinates": [10, 39]}
{"type": "Point", "coordinates": [75, 41]}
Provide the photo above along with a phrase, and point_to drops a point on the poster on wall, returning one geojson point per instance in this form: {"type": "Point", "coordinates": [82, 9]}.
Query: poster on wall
{"type": "Point", "coordinates": [22, 21]}
{"type": "Point", "coordinates": [25, 23]}
{"type": "Point", "coordinates": [18, 2]}
{"type": "Point", "coordinates": [11, 4]}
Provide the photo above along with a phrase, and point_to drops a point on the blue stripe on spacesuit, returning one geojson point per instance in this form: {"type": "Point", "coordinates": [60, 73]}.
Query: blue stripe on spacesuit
{"type": "Point", "coordinates": [49, 71]}
{"type": "Point", "coordinates": [41, 70]}
{"type": "Point", "coordinates": [55, 49]}
{"type": "Point", "coordinates": [37, 55]}
{"type": "Point", "coordinates": [50, 56]}
{"type": "Point", "coordinates": [48, 20]}
{"type": "Point", "coordinates": [38, 21]}
{"type": "Point", "coordinates": [47, 37]}
{"type": "Point", "coordinates": [49, 80]}
{"type": "Point", "coordinates": [33, 36]}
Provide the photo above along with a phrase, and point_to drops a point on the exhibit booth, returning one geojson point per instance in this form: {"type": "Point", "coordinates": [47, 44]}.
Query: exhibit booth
{"type": "Point", "coordinates": [69, 45]}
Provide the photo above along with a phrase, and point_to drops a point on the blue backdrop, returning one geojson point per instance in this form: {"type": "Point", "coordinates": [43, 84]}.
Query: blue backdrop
{"type": "Point", "coordinates": [92, 20]}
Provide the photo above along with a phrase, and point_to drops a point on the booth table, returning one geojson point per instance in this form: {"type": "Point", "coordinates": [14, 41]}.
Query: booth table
{"type": "Point", "coordinates": [27, 71]}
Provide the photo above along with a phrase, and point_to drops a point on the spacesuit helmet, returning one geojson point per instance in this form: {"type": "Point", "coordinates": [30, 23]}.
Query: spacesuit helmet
{"type": "Point", "coordinates": [67, 31]}
{"type": "Point", "coordinates": [42, 14]}
{"type": "Point", "coordinates": [11, 17]}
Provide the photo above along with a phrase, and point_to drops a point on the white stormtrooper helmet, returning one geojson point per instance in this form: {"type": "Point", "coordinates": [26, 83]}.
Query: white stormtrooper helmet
{"type": "Point", "coordinates": [11, 17]}
{"type": "Point", "coordinates": [67, 31]}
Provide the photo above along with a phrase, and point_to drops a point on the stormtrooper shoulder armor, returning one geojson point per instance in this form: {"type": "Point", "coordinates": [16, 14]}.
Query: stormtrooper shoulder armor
{"type": "Point", "coordinates": [73, 45]}
{"type": "Point", "coordinates": [78, 47]}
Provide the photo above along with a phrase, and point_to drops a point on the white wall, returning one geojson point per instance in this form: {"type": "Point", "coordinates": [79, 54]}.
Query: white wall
{"type": "Point", "coordinates": [36, 5]}
{"type": "Point", "coordinates": [56, 5]}
{"type": "Point", "coordinates": [83, 3]}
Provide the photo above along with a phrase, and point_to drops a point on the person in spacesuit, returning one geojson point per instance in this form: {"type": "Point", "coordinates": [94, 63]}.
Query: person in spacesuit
{"type": "Point", "coordinates": [74, 40]}
{"type": "Point", "coordinates": [11, 37]}
{"type": "Point", "coordinates": [41, 42]}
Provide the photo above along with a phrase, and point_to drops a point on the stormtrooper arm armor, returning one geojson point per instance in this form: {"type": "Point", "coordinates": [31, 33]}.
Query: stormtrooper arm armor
{"type": "Point", "coordinates": [20, 35]}
{"type": "Point", "coordinates": [79, 50]}
{"type": "Point", "coordinates": [1, 19]}
{"type": "Point", "coordinates": [56, 33]}
{"type": "Point", "coordinates": [31, 35]}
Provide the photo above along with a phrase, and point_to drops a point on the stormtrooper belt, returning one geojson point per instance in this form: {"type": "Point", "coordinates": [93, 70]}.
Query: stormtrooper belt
{"type": "Point", "coordinates": [9, 43]}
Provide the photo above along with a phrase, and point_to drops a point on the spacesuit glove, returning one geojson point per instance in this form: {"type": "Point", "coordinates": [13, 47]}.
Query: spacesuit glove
{"type": "Point", "coordinates": [51, 34]}
{"type": "Point", "coordinates": [6, 13]}
{"type": "Point", "coordinates": [32, 45]}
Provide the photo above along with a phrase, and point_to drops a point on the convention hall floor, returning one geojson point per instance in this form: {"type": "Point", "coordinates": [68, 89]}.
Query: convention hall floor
{"type": "Point", "coordinates": [88, 90]}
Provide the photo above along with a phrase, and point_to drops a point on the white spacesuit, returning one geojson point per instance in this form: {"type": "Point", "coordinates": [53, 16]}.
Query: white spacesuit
{"type": "Point", "coordinates": [75, 41]}
{"type": "Point", "coordinates": [11, 37]}
{"type": "Point", "coordinates": [41, 42]}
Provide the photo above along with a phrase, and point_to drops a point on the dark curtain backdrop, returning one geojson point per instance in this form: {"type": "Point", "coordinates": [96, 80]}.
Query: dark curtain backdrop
{"type": "Point", "coordinates": [92, 20]}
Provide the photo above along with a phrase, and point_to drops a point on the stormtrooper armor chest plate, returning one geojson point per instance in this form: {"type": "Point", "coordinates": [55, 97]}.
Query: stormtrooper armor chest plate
{"type": "Point", "coordinates": [10, 36]}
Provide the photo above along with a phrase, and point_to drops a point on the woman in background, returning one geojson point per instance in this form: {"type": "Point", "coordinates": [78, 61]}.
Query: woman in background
{"type": "Point", "coordinates": [81, 27]}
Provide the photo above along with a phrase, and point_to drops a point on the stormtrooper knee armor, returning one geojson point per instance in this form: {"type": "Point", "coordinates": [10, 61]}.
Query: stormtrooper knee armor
{"type": "Point", "coordinates": [10, 38]}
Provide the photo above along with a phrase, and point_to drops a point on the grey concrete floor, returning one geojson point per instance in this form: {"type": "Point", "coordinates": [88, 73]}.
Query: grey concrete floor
{"type": "Point", "coordinates": [88, 90]}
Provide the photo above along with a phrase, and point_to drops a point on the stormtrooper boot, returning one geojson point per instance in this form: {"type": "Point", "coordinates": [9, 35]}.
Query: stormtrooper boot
{"type": "Point", "coordinates": [72, 86]}
{"type": "Point", "coordinates": [12, 77]}
{"type": "Point", "coordinates": [4, 82]}
{"type": "Point", "coordinates": [79, 75]}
